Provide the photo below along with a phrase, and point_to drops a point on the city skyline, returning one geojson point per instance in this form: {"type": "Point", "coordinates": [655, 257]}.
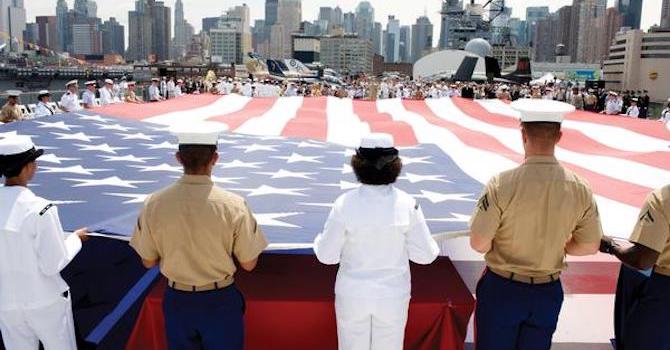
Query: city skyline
{"type": "Point", "coordinates": [195, 10]}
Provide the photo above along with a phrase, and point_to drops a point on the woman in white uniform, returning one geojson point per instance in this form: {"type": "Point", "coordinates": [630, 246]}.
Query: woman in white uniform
{"type": "Point", "coordinates": [373, 232]}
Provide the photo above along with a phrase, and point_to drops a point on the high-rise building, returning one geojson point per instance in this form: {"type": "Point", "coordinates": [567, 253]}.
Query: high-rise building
{"type": "Point", "coordinates": [47, 29]}
{"type": "Point", "coordinates": [325, 13]}
{"type": "Point", "coordinates": [180, 39]}
{"type": "Point", "coordinates": [32, 33]}
{"type": "Point", "coordinates": [534, 14]}
{"type": "Point", "coordinates": [81, 7]}
{"type": "Point", "coordinates": [13, 23]}
{"type": "Point", "coordinates": [113, 37]}
{"type": "Point", "coordinates": [518, 32]}
{"type": "Point", "coordinates": [546, 38]}
{"type": "Point", "coordinates": [271, 7]}
{"type": "Point", "coordinates": [347, 54]}
{"type": "Point", "coordinates": [365, 20]}
{"type": "Point", "coordinates": [337, 17]}
{"type": "Point", "coordinates": [392, 40]}
{"type": "Point", "coordinates": [258, 35]}
{"type": "Point", "coordinates": [86, 39]}
{"type": "Point", "coordinates": [209, 23]}
{"type": "Point", "coordinates": [289, 16]}
{"type": "Point", "coordinates": [599, 39]}
{"type": "Point", "coordinates": [235, 19]}
{"type": "Point", "coordinates": [92, 9]}
{"type": "Point", "coordinates": [422, 37]}
{"type": "Point", "coordinates": [665, 14]}
{"type": "Point", "coordinates": [349, 22]}
{"type": "Point", "coordinates": [149, 31]}
{"type": "Point", "coordinates": [631, 10]}
{"type": "Point", "coordinates": [583, 14]}
{"type": "Point", "coordinates": [405, 49]}
{"type": "Point", "coordinates": [377, 38]}
{"type": "Point", "coordinates": [62, 16]}
{"type": "Point", "coordinates": [226, 43]}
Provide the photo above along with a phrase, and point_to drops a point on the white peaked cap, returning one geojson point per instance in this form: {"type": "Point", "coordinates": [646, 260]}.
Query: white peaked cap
{"type": "Point", "coordinates": [109, 81]}
{"type": "Point", "coordinates": [533, 110]}
{"type": "Point", "coordinates": [72, 82]}
{"type": "Point", "coordinates": [15, 145]}
{"type": "Point", "coordinates": [90, 82]}
{"type": "Point", "coordinates": [13, 93]}
{"type": "Point", "coordinates": [377, 140]}
{"type": "Point", "coordinates": [203, 133]}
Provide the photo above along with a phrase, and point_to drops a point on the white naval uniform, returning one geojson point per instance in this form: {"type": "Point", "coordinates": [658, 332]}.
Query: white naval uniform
{"type": "Point", "coordinates": [154, 93]}
{"type": "Point", "coordinates": [43, 110]}
{"type": "Point", "coordinates": [373, 232]}
{"type": "Point", "coordinates": [105, 97]}
{"type": "Point", "coordinates": [88, 99]}
{"type": "Point", "coordinates": [33, 251]}
{"type": "Point", "coordinates": [70, 102]}
{"type": "Point", "coordinates": [633, 111]}
{"type": "Point", "coordinates": [612, 107]}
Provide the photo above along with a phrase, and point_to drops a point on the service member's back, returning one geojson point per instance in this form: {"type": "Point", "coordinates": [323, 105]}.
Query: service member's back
{"type": "Point", "coordinates": [195, 231]}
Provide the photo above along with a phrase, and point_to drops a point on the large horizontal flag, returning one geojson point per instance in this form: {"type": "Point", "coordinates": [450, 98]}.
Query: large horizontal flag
{"type": "Point", "coordinates": [99, 170]}
{"type": "Point", "coordinates": [622, 158]}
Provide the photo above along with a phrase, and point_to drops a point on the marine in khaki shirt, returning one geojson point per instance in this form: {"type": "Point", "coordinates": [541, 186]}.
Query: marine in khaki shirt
{"type": "Point", "coordinates": [645, 324]}
{"type": "Point", "coordinates": [197, 232]}
{"type": "Point", "coordinates": [526, 221]}
{"type": "Point", "coordinates": [11, 112]}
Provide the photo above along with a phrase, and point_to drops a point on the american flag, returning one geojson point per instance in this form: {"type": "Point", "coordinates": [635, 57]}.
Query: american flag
{"type": "Point", "coordinates": [289, 157]}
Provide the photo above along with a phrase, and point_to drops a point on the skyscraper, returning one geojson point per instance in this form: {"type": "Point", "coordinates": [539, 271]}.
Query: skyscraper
{"type": "Point", "coordinates": [271, 12]}
{"type": "Point", "coordinates": [81, 7]}
{"type": "Point", "coordinates": [113, 37]}
{"type": "Point", "coordinates": [392, 40]}
{"type": "Point", "coordinates": [349, 22]}
{"type": "Point", "coordinates": [422, 37]}
{"type": "Point", "coordinates": [13, 23]}
{"type": "Point", "coordinates": [92, 9]}
{"type": "Point", "coordinates": [289, 17]}
{"type": "Point", "coordinates": [665, 14]}
{"type": "Point", "coordinates": [183, 32]}
{"type": "Point", "coordinates": [149, 31]}
{"type": "Point", "coordinates": [405, 50]}
{"type": "Point", "coordinates": [365, 20]}
{"type": "Point", "coordinates": [583, 14]}
{"type": "Point", "coordinates": [377, 38]}
{"type": "Point", "coordinates": [47, 29]}
{"type": "Point", "coordinates": [337, 16]}
{"type": "Point", "coordinates": [61, 15]}
{"type": "Point", "coordinates": [534, 14]}
{"type": "Point", "coordinates": [631, 10]}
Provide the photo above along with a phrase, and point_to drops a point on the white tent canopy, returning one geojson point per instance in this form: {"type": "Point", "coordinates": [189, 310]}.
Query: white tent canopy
{"type": "Point", "coordinates": [547, 78]}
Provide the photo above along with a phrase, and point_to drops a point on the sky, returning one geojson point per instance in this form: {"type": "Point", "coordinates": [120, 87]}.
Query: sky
{"type": "Point", "coordinates": [406, 11]}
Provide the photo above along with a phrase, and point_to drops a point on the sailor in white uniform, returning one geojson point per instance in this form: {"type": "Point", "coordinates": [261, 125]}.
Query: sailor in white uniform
{"type": "Point", "coordinates": [42, 109]}
{"type": "Point", "coordinates": [35, 305]}
{"type": "Point", "coordinates": [70, 100]}
{"type": "Point", "coordinates": [88, 97]}
{"type": "Point", "coordinates": [373, 232]}
{"type": "Point", "coordinates": [154, 91]}
{"type": "Point", "coordinates": [107, 93]}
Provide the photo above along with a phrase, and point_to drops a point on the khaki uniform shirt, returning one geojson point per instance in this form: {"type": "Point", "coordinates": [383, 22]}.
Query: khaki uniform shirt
{"type": "Point", "coordinates": [653, 228]}
{"type": "Point", "coordinates": [10, 113]}
{"type": "Point", "coordinates": [531, 212]}
{"type": "Point", "coordinates": [195, 228]}
{"type": "Point", "coordinates": [132, 97]}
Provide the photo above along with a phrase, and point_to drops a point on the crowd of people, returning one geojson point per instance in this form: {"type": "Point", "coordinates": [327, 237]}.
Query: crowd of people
{"type": "Point", "coordinates": [635, 104]}
{"type": "Point", "coordinates": [526, 221]}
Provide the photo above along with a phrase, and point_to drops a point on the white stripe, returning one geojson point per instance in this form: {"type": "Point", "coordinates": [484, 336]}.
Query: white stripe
{"type": "Point", "coordinates": [608, 135]}
{"type": "Point", "coordinates": [344, 126]}
{"type": "Point", "coordinates": [482, 165]}
{"type": "Point", "coordinates": [224, 105]}
{"type": "Point", "coordinates": [621, 169]}
{"type": "Point", "coordinates": [273, 122]}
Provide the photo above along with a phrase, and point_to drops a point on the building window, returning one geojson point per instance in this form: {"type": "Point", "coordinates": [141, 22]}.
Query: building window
{"type": "Point", "coordinates": [656, 39]}
{"type": "Point", "coordinates": [656, 47]}
{"type": "Point", "coordinates": [656, 55]}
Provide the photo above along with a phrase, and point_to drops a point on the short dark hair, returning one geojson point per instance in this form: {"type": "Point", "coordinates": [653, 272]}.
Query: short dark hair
{"type": "Point", "coordinates": [368, 174]}
{"type": "Point", "coordinates": [13, 171]}
{"type": "Point", "coordinates": [544, 132]}
{"type": "Point", "coordinates": [196, 157]}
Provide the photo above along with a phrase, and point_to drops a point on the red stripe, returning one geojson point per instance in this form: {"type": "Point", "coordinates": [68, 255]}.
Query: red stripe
{"type": "Point", "coordinates": [311, 120]}
{"type": "Point", "coordinates": [255, 108]}
{"type": "Point", "coordinates": [367, 111]}
{"type": "Point", "coordinates": [148, 110]}
{"type": "Point", "coordinates": [608, 187]}
{"type": "Point", "coordinates": [573, 140]}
